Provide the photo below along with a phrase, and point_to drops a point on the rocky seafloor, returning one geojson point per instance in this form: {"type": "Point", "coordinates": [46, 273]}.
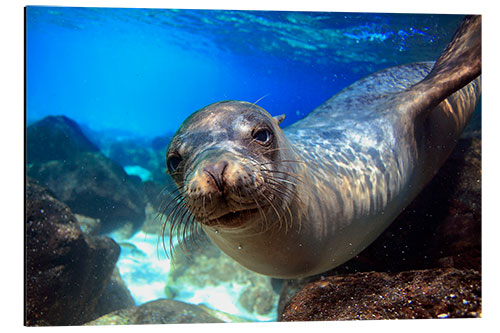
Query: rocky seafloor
{"type": "Point", "coordinates": [92, 247]}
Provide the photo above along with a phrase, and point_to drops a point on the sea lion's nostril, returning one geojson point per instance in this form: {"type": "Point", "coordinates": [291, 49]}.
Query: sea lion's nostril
{"type": "Point", "coordinates": [216, 171]}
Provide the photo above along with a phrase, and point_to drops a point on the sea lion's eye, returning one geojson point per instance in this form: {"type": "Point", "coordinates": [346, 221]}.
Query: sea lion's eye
{"type": "Point", "coordinates": [173, 163]}
{"type": "Point", "coordinates": [262, 135]}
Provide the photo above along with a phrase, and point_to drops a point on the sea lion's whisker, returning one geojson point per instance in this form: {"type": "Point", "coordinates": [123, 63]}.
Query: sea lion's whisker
{"type": "Point", "coordinates": [261, 211]}
{"type": "Point", "coordinates": [278, 215]}
{"type": "Point", "coordinates": [287, 192]}
{"type": "Point", "coordinates": [169, 193]}
{"type": "Point", "coordinates": [284, 205]}
{"type": "Point", "coordinates": [281, 161]}
{"type": "Point", "coordinates": [173, 200]}
{"type": "Point", "coordinates": [194, 231]}
{"type": "Point", "coordinates": [172, 217]}
{"type": "Point", "coordinates": [282, 172]}
{"type": "Point", "coordinates": [173, 225]}
{"type": "Point", "coordinates": [281, 192]}
{"type": "Point", "coordinates": [280, 188]}
{"type": "Point", "coordinates": [283, 180]}
{"type": "Point", "coordinates": [239, 196]}
{"type": "Point", "coordinates": [176, 217]}
{"type": "Point", "coordinates": [290, 174]}
{"type": "Point", "coordinates": [203, 208]}
{"type": "Point", "coordinates": [185, 229]}
{"type": "Point", "coordinates": [258, 100]}
{"type": "Point", "coordinates": [181, 236]}
{"type": "Point", "coordinates": [268, 151]}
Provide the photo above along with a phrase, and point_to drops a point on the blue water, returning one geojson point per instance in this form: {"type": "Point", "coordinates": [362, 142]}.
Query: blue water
{"type": "Point", "coordinates": [143, 71]}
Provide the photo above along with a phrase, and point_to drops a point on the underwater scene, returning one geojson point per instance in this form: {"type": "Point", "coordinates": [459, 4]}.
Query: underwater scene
{"type": "Point", "coordinates": [106, 91]}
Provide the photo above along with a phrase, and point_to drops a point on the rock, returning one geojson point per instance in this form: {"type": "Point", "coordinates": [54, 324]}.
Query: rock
{"type": "Point", "coordinates": [94, 186]}
{"type": "Point", "coordinates": [433, 293]}
{"type": "Point", "coordinates": [80, 176]}
{"type": "Point", "coordinates": [224, 316]}
{"type": "Point", "coordinates": [163, 311]}
{"type": "Point", "coordinates": [292, 287]}
{"type": "Point", "coordinates": [457, 240]}
{"type": "Point", "coordinates": [115, 296]}
{"type": "Point", "coordinates": [56, 138]}
{"type": "Point", "coordinates": [66, 270]}
{"type": "Point", "coordinates": [257, 300]}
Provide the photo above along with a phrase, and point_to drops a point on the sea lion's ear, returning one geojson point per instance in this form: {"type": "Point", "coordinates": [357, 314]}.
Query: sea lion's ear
{"type": "Point", "coordinates": [279, 118]}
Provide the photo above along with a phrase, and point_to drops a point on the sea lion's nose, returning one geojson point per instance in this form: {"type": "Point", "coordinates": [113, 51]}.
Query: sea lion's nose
{"type": "Point", "coordinates": [216, 172]}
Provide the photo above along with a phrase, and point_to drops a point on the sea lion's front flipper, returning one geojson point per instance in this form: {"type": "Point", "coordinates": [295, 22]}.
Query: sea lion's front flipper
{"type": "Point", "coordinates": [458, 65]}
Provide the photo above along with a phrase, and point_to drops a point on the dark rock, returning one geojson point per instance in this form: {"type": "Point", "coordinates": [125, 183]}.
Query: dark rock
{"type": "Point", "coordinates": [457, 239]}
{"type": "Point", "coordinates": [115, 296]}
{"type": "Point", "coordinates": [292, 287]}
{"type": "Point", "coordinates": [257, 300]}
{"type": "Point", "coordinates": [56, 138]}
{"type": "Point", "coordinates": [434, 293]}
{"type": "Point", "coordinates": [66, 270]}
{"type": "Point", "coordinates": [163, 311]}
{"type": "Point", "coordinates": [94, 186]}
{"type": "Point", "coordinates": [64, 160]}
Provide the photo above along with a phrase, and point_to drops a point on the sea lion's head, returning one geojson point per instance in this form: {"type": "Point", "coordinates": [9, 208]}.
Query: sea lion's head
{"type": "Point", "coordinates": [232, 165]}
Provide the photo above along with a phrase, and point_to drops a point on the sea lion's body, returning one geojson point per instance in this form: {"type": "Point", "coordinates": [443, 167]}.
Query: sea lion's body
{"type": "Point", "coordinates": [300, 201]}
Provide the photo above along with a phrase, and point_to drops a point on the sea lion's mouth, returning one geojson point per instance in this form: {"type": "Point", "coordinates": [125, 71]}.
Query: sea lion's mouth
{"type": "Point", "coordinates": [233, 219]}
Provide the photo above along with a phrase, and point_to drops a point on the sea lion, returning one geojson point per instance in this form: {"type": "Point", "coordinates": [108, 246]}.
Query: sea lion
{"type": "Point", "coordinates": [300, 201]}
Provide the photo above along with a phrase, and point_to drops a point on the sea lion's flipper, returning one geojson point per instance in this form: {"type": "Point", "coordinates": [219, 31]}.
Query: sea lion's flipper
{"type": "Point", "coordinates": [458, 65]}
